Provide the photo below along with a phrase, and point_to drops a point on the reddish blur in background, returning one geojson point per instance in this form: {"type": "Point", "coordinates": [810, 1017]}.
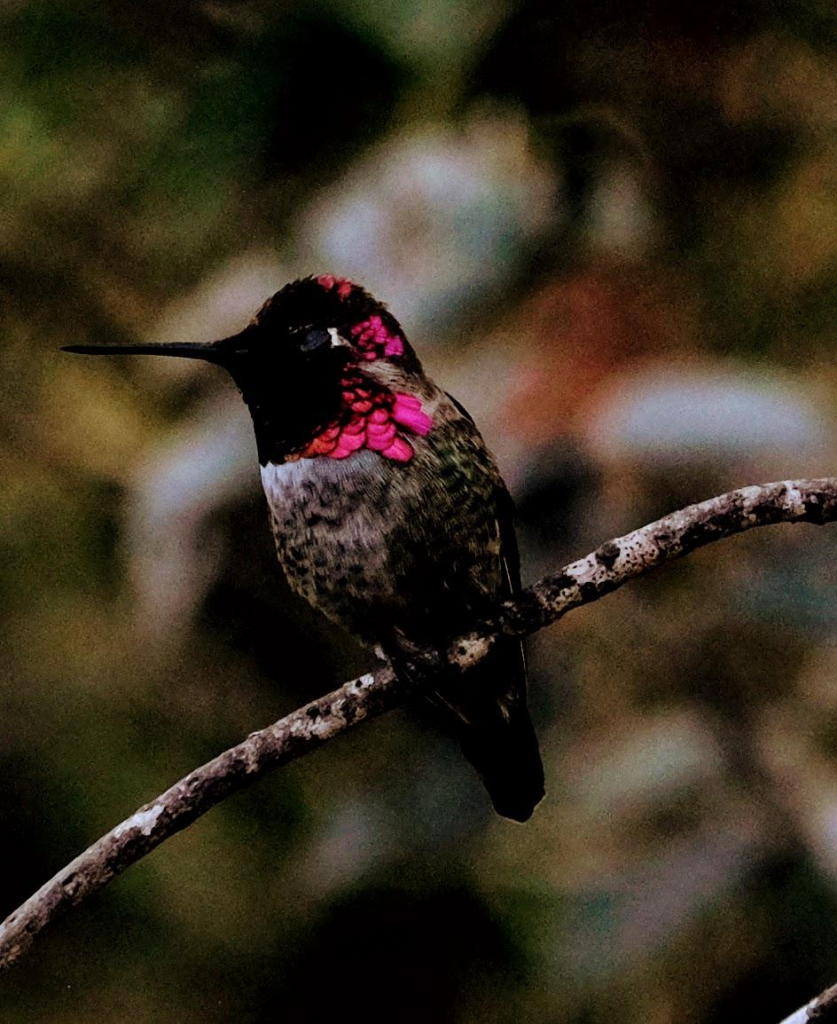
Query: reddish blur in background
{"type": "Point", "coordinates": [610, 229]}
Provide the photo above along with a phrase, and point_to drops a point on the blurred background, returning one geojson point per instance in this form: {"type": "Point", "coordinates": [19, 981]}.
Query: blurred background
{"type": "Point", "coordinates": [610, 229]}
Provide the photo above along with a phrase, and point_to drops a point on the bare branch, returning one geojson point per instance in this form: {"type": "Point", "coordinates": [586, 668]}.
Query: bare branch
{"type": "Point", "coordinates": [601, 572]}
{"type": "Point", "coordinates": [822, 1010]}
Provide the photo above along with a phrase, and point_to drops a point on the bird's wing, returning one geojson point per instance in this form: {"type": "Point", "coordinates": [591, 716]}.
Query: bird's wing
{"type": "Point", "coordinates": [494, 727]}
{"type": "Point", "coordinates": [509, 553]}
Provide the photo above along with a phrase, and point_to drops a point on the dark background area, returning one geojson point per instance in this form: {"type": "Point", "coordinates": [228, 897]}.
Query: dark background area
{"type": "Point", "coordinates": [611, 231]}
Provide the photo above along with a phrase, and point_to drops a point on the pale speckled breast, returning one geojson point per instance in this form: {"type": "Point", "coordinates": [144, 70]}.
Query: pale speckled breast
{"type": "Point", "coordinates": [380, 546]}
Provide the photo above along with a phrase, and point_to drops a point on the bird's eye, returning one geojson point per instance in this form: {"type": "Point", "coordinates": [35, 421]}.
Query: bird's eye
{"type": "Point", "coordinates": [314, 339]}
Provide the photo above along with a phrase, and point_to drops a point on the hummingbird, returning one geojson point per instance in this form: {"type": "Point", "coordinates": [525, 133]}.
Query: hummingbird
{"type": "Point", "coordinates": [388, 511]}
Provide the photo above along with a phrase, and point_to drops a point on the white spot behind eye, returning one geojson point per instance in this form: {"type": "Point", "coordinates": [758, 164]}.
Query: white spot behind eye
{"type": "Point", "coordinates": [336, 340]}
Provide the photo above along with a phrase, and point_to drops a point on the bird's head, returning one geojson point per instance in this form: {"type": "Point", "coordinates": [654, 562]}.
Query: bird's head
{"type": "Point", "coordinates": [324, 368]}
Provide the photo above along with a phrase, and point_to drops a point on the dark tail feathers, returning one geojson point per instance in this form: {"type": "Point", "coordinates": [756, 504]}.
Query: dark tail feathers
{"type": "Point", "coordinates": [506, 756]}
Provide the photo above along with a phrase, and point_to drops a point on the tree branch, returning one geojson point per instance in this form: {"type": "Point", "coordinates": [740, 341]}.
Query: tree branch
{"type": "Point", "coordinates": [822, 1010]}
{"type": "Point", "coordinates": [604, 570]}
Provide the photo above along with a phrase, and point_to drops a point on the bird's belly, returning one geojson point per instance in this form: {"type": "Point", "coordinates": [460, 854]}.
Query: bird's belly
{"type": "Point", "coordinates": [416, 552]}
{"type": "Point", "coordinates": [329, 524]}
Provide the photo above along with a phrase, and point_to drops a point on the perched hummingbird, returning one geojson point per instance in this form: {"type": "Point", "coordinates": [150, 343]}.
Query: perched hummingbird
{"type": "Point", "coordinates": [387, 509]}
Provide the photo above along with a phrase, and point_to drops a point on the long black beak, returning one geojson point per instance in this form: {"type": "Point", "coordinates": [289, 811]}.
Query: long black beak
{"type": "Point", "coordinates": [211, 351]}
